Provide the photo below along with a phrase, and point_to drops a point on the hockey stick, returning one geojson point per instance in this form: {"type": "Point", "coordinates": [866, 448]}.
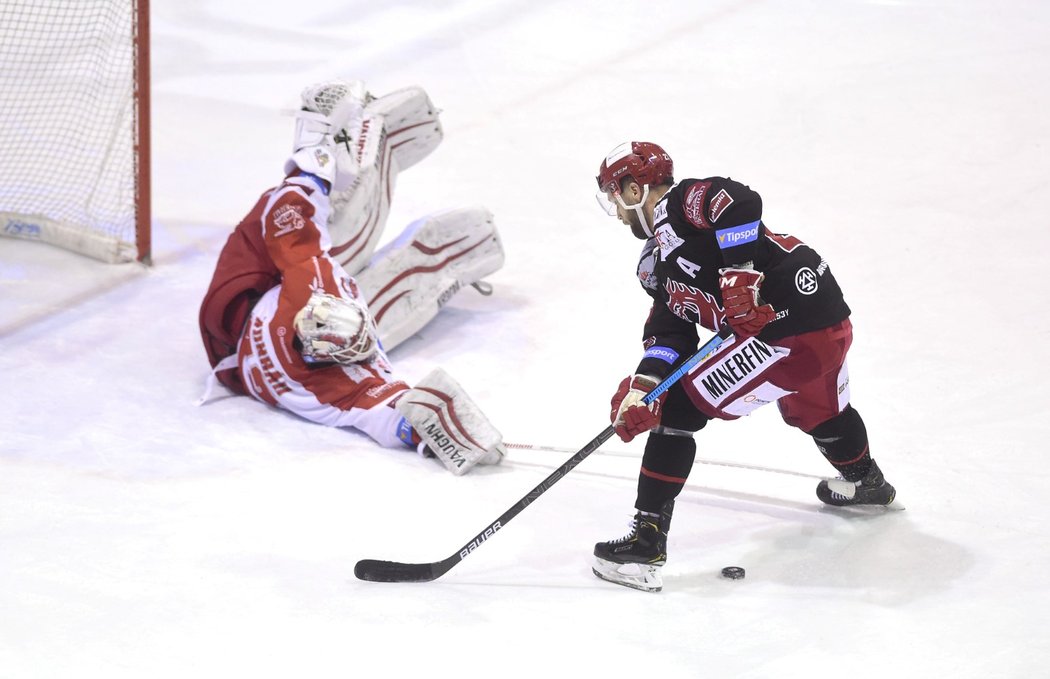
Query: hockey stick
{"type": "Point", "coordinates": [618, 453]}
{"type": "Point", "coordinates": [395, 571]}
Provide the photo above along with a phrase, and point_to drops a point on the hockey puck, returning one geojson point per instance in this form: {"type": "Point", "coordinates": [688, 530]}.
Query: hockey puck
{"type": "Point", "coordinates": [733, 572]}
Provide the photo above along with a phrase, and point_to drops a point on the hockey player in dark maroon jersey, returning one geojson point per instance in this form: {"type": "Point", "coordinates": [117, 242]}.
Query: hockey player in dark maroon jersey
{"type": "Point", "coordinates": [709, 259]}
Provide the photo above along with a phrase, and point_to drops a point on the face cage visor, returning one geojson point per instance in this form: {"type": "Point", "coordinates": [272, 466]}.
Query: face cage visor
{"type": "Point", "coordinates": [610, 199]}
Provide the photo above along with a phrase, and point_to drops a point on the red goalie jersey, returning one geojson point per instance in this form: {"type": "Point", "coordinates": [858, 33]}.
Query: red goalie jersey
{"type": "Point", "coordinates": [271, 264]}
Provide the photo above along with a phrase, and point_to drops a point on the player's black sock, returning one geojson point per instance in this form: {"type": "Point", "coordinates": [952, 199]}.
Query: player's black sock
{"type": "Point", "coordinates": [666, 464]}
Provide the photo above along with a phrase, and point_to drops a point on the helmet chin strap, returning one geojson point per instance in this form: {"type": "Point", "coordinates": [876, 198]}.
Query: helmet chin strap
{"type": "Point", "coordinates": [637, 207]}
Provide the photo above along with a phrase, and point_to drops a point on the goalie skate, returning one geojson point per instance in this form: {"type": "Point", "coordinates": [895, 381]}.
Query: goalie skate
{"type": "Point", "coordinates": [411, 278]}
{"type": "Point", "coordinates": [450, 424]}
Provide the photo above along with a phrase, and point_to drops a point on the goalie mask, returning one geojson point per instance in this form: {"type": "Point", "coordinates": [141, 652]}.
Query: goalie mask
{"type": "Point", "coordinates": [335, 329]}
{"type": "Point", "coordinates": [642, 161]}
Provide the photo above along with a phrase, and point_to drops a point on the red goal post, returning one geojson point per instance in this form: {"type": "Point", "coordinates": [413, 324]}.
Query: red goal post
{"type": "Point", "coordinates": [75, 125]}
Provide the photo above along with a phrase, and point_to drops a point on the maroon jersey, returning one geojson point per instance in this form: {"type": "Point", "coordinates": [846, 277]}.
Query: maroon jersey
{"type": "Point", "coordinates": [702, 226]}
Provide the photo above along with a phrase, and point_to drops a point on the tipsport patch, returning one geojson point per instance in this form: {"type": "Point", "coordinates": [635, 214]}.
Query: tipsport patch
{"type": "Point", "coordinates": [738, 235]}
{"type": "Point", "coordinates": [663, 353]}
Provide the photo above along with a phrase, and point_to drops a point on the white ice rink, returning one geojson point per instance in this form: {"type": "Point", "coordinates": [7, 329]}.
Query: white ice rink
{"type": "Point", "coordinates": [141, 536]}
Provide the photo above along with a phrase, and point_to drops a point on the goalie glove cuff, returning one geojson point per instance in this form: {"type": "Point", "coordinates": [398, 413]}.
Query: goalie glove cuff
{"type": "Point", "coordinates": [319, 161]}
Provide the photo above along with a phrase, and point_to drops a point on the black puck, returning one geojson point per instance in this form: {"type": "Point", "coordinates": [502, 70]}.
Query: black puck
{"type": "Point", "coordinates": [733, 572]}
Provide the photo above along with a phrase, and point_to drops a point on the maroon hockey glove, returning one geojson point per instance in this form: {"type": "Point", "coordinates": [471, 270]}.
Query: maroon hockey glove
{"type": "Point", "coordinates": [746, 313]}
{"type": "Point", "coordinates": [630, 417]}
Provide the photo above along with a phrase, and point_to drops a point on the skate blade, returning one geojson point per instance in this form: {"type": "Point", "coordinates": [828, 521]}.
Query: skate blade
{"type": "Point", "coordinates": [894, 505]}
{"type": "Point", "coordinates": [642, 577]}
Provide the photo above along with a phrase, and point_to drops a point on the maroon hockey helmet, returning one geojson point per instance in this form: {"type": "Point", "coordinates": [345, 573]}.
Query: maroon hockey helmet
{"type": "Point", "coordinates": [642, 161]}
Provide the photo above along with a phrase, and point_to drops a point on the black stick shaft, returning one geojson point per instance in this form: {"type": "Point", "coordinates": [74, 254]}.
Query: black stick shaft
{"type": "Point", "coordinates": [394, 571]}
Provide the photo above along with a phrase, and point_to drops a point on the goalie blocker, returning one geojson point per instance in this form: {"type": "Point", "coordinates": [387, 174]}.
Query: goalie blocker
{"type": "Point", "coordinates": [449, 424]}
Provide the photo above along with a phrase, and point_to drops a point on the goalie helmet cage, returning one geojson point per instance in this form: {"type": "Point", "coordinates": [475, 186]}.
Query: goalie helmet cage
{"type": "Point", "coordinates": [74, 125]}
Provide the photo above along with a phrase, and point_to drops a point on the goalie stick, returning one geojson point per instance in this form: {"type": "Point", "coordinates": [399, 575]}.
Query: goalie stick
{"type": "Point", "coordinates": [394, 571]}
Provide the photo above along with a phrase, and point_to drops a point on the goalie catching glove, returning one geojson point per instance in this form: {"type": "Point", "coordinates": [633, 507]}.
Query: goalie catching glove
{"type": "Point", "coordinates": [630, 417]}
{"type": "Point", "coordinates": [450, 424]}
{"type": "Point", "coordinates": [331, 112]}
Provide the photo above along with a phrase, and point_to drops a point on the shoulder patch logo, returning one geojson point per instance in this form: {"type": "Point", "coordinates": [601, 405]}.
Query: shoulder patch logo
{"type": "Point", "coordinates": [660, 212]}
{"type": "Point", "coordinates": [693, 205]}
{"type": "Point", "coordinates": [288, 218]}
{"type": "Point", "coordinates": [806, 280]}
{"type": "Point", "coordinates": [719, 203]}
{"type": "Point", "coordinates": [668, 240]}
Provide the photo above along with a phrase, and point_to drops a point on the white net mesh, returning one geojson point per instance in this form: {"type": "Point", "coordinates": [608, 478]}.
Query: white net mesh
{"type": "Point", "coordinates": [68, 133]}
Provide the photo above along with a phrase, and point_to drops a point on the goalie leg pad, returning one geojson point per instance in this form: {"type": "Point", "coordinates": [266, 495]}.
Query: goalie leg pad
{"type": "Point", "coordinates": [395, 131]}
{"type": "Point", "coordinates": [450, 423]}
{"type": "Point", "coordinates": [412, 277]}
{"type": "Point", "coordinates": [411, 122]}
{"type": "Point", "coordinates": [359, 213]}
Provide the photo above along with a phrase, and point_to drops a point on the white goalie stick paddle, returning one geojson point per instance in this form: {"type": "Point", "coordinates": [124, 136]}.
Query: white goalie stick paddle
{"type": "Point", "coordinates": [395, 571]}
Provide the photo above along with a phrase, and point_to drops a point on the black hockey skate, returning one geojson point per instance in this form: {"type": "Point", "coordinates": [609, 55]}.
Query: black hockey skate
{"type": "Point", "coordinates": [871, 490]}
{"type": "Point", "coordinates": [635, 559]}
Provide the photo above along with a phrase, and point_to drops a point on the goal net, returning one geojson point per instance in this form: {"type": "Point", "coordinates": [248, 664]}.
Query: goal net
{"type": "Point", "coordinates": [74, 125]}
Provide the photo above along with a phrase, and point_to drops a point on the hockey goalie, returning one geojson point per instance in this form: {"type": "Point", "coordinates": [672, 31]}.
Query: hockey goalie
{"type": "Point", "coordinates": [302, 310]}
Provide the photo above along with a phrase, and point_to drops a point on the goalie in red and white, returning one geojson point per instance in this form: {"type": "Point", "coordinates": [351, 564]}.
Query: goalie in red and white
{"type": "Point", "coordinates": [301, 309]}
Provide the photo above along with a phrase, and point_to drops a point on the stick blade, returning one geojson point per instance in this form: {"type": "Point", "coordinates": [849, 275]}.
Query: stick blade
{"type": "Point", "coordinates": [374, 570]}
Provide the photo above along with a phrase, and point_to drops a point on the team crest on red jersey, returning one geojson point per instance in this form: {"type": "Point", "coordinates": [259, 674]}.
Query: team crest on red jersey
{"type": "Point", "coordinates": [288, 218]}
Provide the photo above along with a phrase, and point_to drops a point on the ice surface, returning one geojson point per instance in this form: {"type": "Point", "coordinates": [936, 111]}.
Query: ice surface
{"type": "Point", "coordinates": [141, 536]}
